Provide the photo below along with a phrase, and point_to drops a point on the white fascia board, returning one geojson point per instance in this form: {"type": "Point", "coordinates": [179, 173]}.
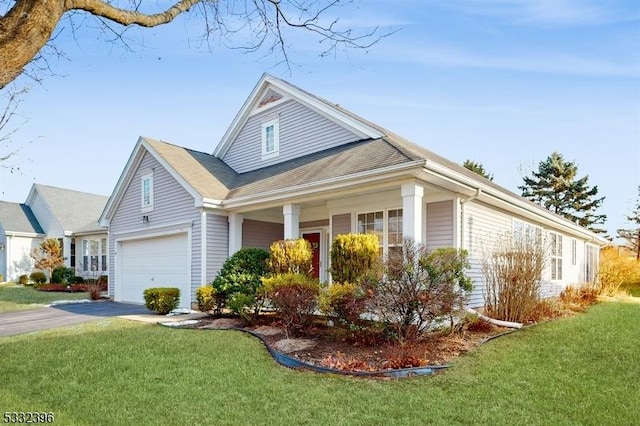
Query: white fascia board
{"type": "Point", "coordinates": [24, 234]}
{"type": "Point", "coordinates": [362, 178]}
{"type": "Point", "coordinates": [491, 194]}
{"type": "Point", "coordinates": [209, 203]}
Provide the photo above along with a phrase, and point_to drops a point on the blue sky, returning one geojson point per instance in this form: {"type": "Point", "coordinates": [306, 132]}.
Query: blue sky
{"type": "Point", "coordinates": [502, 82]}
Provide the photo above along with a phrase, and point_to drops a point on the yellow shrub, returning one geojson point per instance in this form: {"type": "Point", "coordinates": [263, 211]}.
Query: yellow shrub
{"type": "Point", "coordinates": [353, 256]}
{"type": "Point", "coordinates": [615, 269]}
{"type": "Point", "coordinates": [291, 256]}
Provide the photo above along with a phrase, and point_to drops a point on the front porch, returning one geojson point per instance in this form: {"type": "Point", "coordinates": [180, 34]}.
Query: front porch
{"type": "Point", "coordinates": [407, 209]}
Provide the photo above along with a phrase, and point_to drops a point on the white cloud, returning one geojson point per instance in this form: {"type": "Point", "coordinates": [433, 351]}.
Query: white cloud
{"type": "Point", "coordinates": [551, 12]}
{"type": "Point", "coordinates": [543, 62]}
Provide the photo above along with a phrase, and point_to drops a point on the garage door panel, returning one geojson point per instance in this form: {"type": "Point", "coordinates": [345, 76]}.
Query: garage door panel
{"type": "Point", "coordinates": [153, 262]}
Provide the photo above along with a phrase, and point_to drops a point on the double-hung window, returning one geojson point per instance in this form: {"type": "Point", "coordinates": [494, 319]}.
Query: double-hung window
{"type": "Point", "coordinates": [94, 255]}
{"type": "Point", "coordinates": [556, 256]}
{"type": "Point", "coordinates": [386, 225]}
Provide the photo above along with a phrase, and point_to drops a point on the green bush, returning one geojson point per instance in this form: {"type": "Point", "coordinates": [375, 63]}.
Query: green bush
{"type": "Point", "coordinates": [161, 300]}
{"type": "Point", "coordinates": [241, 273]}
{"type": "Point", "coordinates": [23, 280]}
{"type": "Point", "coordinates": [291, 256]}
{"type": "Point", "coordinates": [294, 297]}
{"type": "Point", "coordinates": [63, 275]}
{"type": "Point", "coordinates": [38, 277]}
{"type": "Point", "coordinates": [353, 256]}
{"type": "Point", "coordinates": [206, 298]}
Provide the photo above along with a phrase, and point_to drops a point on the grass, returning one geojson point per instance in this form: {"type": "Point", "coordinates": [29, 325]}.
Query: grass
{"type": "Point", "coordinates": [579, 370]}
{"type": "Point", "coordinates": [16, 297]}
{"type": "Point", "coordinates": [633, 288]}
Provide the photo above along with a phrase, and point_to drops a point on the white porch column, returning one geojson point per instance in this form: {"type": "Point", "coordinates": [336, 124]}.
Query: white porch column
{"type": "Point", "coordinates": [291, 214]}
{"type": "Point", "coordinates": [235, 232]}
{"type": "Point", "coordinates": [412, 211]}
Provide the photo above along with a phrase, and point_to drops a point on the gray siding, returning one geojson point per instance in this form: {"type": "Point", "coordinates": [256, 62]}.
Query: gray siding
{"type": "Point", "coordinates": [261, 234]}
{"type": "Point", "coordinates": [217, 244]}
{"type": "Point", "coordinates": [302, 131]}
{"type": "Point", "coordinates": [440, 225]}
{"type": "Point", "coordinates": [172, 205]}
{"type": "Point", "coordinates": [340, 224]}
{"type": "Point", "coordinates": [40, 210]}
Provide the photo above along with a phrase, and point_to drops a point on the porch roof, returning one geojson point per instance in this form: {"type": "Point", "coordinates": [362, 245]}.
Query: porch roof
{"type": "Point", "coordinates": [16, 217]}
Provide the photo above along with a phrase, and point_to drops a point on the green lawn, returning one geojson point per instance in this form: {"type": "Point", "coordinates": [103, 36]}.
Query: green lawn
{"type": "Point", "coordinates": [581, 370]}
{"type": "Point", "coordinates": [16, 297]}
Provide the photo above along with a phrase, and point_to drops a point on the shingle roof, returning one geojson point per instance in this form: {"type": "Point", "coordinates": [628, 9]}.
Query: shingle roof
{"type": "Point", "coordinates": [16, 217]}
{"type": "Point", "coordinates": [208, 175]}
{"type": "Point", "coordinates": [76, 211]}
{"type": "Point", "coordinates": [335, 162]}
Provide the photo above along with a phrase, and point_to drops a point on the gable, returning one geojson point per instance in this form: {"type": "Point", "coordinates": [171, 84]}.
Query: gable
{"type": "Point", "coordinates": [302, 131]}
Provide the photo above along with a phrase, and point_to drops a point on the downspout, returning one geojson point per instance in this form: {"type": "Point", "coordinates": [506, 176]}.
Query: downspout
{"type": "Point", "coordinates": [493, 321]}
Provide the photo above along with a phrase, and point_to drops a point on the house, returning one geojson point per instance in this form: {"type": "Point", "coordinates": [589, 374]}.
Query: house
{"type": "Point", "coordinates": [294, 165]}
{"type": "Point", "coordinates": [50, 212]}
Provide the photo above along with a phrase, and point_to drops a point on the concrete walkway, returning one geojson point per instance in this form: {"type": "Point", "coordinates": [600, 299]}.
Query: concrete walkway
{"type": "Point", "coordinates": [20, 322]}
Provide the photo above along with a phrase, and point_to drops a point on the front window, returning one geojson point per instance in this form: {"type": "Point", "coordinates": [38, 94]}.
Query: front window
{"type": "Point", "coordinates": [94, 255]}
{"type": "Point", "coordinates": [574, 252]}
{"type": "Point", "coordinates": [556, 256]}
{"type": "Point", "coordinates": [386, 225]}
{"type": "Point", "coordinates": [147, 192]}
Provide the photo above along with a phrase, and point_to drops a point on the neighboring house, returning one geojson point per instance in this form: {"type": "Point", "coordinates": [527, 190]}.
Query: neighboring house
{"type": "Point", "coordinates": [294, 165]}
{"type": "Point", "coordinates": [50, 212]}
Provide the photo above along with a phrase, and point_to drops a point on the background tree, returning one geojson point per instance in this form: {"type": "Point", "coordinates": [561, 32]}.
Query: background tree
{"type": "Point", "coordinates": [556, 187]}
{"type": "Point", "coordinates": [632, 236]}
{"type": "Point", "coordinates": [28, 26]}
{"type": "Point", "coordinates": [48, 256]}
{"type": "Point", "coordinates": [477, 168]}
{"type": "Point", "coordinates": [8, 126]}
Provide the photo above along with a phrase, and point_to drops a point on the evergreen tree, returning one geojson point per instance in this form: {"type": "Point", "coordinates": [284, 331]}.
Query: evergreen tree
{"type": "Point", "coordinates": [477, 168]}
{"type": "Point", "coordinates": [633, 235]}
{"type": "Point", "coordinates": [555, 187]}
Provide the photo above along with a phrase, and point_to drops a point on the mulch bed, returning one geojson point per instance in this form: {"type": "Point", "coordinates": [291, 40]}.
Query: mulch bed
{"type": "Point", "coordinates": [335, 346]}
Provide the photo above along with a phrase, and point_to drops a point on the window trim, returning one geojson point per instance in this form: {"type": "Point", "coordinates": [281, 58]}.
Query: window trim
{"type": "Point", "coordinates": [574, 252]}
{"type": "Point", "coordinates": [555, 241]}
{"type": "Point", "coordinates": [384, 243]}
{"type": "Point", "coordinates": [101, 255]}
{"type": "Point", "coordinates": [275, 123]}
{"type": "Point", "coordinates": [146, 207]}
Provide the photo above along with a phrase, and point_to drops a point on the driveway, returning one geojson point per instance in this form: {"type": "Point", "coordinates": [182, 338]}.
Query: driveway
{"type": "Point", "coordinates": [68, 314]}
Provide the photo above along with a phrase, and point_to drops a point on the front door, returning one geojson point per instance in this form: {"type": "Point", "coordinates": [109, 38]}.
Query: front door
{"type": "Point", "coordinates": [314, 240]}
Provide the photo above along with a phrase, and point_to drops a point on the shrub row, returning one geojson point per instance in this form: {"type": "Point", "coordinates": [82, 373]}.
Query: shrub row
{"type": "Point", "coordinates": [407, 293]}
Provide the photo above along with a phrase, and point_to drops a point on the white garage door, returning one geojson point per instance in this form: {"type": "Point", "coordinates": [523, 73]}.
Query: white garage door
{"type": "Point", "coordinates": [153, 262]}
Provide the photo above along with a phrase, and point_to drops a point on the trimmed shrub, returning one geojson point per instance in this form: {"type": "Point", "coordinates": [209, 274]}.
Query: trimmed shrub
{"type": "Point", "coordinates": [347, 302]}
{"type": "Point", "coordinates": [241, 273]}
{"type": "Point", "coordinates": [38, 277]}
{"type": "Point", "coordinates": [79, 280]}
{"type": "Point", "coordinates": [23, 280]}
{"type": "Point", "coordinates": [206, 298]}
{"type": "Point", "coordinates": [161, 300]}
{"type": "Point", "coordinates": [63, 275]}
{"type": "Point", "coordinates": [353, 256]}
{"type": "Point", "coordinates": [294, 297]}
{"type": "Point", "coordinates": [419, 289]}
{"type": "Point", "coordinates": [291, 256]}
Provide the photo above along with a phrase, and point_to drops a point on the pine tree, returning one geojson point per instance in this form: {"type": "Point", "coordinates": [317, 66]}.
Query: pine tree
{"type": "Point", "coordinates": [555, 187]}
{"type": "Point", "coordinates": [477, 168]}
{"type": "Point", "coordinates": [633, 235]}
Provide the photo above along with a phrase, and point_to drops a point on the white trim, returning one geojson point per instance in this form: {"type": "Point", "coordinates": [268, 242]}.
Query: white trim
{"type": "Point", "coordinates": [203, 247]}
{"type": "Point", "coordinates": [156, 231]}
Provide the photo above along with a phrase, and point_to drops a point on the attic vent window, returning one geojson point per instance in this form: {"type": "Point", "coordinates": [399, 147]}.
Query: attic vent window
{"type": "Point", "coordinates": [269, 97]}
{"type": "Point", "coordinates": [270, 138]}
